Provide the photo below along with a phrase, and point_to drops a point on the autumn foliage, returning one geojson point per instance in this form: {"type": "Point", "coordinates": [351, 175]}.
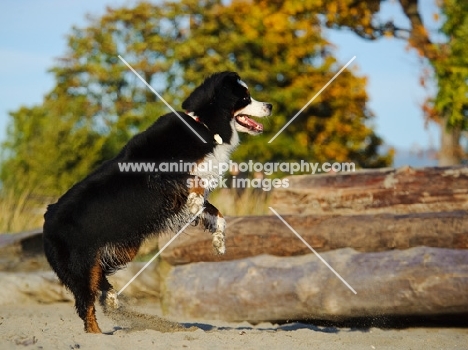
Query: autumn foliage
{"type": "Point", "coordinates": [277, 47]}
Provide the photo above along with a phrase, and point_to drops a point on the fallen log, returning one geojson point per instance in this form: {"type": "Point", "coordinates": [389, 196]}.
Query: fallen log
{"type": "Point", "coordinates": [25, 243]}
{"type": "Point", "coordinates": [251, 236]}
{"type": "Point", "coordinates": [24, 287]}
{"type": "Point", "coordinates": [24, 251]}
{"type": "Point", "coordinates": [404, 190]}
{"type": "Point", "coordinates": [44, 286]}
{"type": "Point", "coordinates": [418, 281]}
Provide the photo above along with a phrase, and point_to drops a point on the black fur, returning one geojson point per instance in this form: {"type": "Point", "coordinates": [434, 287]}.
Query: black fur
{"type": "Point", "coordinates": [120, 210]}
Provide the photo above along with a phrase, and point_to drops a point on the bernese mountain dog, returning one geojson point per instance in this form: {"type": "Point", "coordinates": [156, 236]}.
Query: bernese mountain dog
{"type": "Point", "coordinates": [97, 227]}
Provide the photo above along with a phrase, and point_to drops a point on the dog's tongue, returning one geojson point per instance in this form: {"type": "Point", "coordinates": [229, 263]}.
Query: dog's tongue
{"type": "Point", "coordinates": [249, 123]}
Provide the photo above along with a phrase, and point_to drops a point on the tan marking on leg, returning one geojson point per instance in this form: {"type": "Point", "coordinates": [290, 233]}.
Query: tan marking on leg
{"type": "Point", "coordinates": [132, 252]}
{"type": "Point", "coordinates": [197, 189]}
{"type": "Point", "coordinates": [91, 325]}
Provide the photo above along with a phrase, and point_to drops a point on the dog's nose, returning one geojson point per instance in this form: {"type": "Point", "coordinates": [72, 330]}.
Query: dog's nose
{"type": "Point", "coordinates": [269, 106]}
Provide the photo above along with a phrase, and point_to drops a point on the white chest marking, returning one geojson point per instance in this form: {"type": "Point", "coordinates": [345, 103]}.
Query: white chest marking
{"type": "Point", "coordinates": [216, 163]}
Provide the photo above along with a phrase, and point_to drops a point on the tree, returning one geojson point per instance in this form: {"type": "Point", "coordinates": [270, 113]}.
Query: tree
{"type": "Point", "coordinates": [280, 51]}
{"type": "Point", "coordinates": [97, 104]}
{"type": "Point", "coordinates": [450, 105]}
{"type": "Point", "coordinates": [48, 148]}
{"type": "Point", "coordinates": [447, 59]}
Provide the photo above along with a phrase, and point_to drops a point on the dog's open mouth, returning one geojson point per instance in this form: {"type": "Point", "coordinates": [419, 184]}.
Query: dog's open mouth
{"type": "Point", "coordinates": [249, 123]}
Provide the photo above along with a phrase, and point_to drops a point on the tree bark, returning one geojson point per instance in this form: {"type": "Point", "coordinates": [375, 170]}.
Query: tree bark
{"type": "Point", "coordinates": [450, 151]}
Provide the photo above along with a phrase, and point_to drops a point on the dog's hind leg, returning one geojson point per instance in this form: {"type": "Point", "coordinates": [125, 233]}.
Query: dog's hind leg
{"type": "Point", "coordinates": [77, 275]}
{"type": "Point", "coordinates": [85, 290]}
{"type": "Point", "coordinates": [108, 299]}
{"type": "Point", "coordinates": [113, 258]}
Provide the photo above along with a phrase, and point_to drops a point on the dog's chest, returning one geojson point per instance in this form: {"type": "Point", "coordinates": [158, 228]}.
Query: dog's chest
{"type": "Point", "coordinates": [214, 164]}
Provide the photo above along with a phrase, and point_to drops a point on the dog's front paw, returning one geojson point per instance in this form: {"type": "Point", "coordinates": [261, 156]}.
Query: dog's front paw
{"type": "Point", "coordinates": [218, 240]}
{"type": "Point", "coordinates": [218, 243]}
{"type": "Point", "coordinates": [195, 202]}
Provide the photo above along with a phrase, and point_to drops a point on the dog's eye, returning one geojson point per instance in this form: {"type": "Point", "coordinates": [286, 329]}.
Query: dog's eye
{"type": "Point", "coordinates": [246, 98]}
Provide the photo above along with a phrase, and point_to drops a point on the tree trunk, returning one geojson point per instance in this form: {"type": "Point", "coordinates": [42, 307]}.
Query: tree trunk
{"type": "Point", "coordinates": [450, 152]}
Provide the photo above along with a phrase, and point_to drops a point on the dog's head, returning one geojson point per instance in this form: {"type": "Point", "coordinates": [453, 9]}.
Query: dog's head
{"type": "Point", "coordinates": [223, 102]}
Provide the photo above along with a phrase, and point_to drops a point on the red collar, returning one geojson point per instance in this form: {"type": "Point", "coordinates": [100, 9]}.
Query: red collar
{"type": "Point", "coordinates": [192, 114]}
{"type": "Point", "coordinates": [217, 138]}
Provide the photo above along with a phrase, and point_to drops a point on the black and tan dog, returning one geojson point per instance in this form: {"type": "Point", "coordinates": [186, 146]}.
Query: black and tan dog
{"type": "Point", "coordinates": [97, 227]}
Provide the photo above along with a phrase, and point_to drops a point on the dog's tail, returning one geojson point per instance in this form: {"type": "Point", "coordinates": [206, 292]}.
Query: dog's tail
{"type": "Point", "coordinates": [55, 249]}
{"type": "Point", "coordinates": [55, 256]}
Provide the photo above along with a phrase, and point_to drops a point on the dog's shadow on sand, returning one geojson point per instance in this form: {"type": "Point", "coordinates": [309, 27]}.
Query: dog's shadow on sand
{"type": "Point", "coordinates": [190, 327]}
{"type": "Point", "coordinates": [285, 327]}
{"type": "Point", "coordinates": [133, 321]}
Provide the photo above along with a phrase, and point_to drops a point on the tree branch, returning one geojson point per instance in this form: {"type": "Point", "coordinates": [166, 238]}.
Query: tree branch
{"type": "Point", "coordinates": [418, 38]}
{"type": "Point", "coordinates": [381, 30]}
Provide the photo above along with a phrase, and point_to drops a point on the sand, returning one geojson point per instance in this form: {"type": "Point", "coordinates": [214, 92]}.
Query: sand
{"type": "Point", "coordinates": [56, 326]}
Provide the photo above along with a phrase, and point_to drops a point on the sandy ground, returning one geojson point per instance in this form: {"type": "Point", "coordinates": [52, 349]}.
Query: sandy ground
{"type": "Point", "coordinates": [56, 326]}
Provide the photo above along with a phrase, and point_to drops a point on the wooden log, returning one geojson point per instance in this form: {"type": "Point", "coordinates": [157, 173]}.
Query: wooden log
{"type": "Point", "coordinates": [24, 287]}
{"type": "Point", "coordinates": [25, 243]}
{"type": "Point", "coordinates": [251, 236]}
{"type": "Point", "coordinates": [44, 286]}
{"type": "Point", "coordinates": [403, 190]}
{"type": "Point", "coordinates": [24, 252]}
{"type": "Point", "coordinates": [418, 281]}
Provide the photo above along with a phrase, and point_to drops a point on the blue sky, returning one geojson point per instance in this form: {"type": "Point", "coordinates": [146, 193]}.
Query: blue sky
{"type": "Point", "coordinates": [32, 35]}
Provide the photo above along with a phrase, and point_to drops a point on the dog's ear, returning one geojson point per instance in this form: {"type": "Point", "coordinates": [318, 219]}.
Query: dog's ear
{"type": "Point", "coordinates": [199, 97]}
{"type": "Point", "coordinates": [206, 92]}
